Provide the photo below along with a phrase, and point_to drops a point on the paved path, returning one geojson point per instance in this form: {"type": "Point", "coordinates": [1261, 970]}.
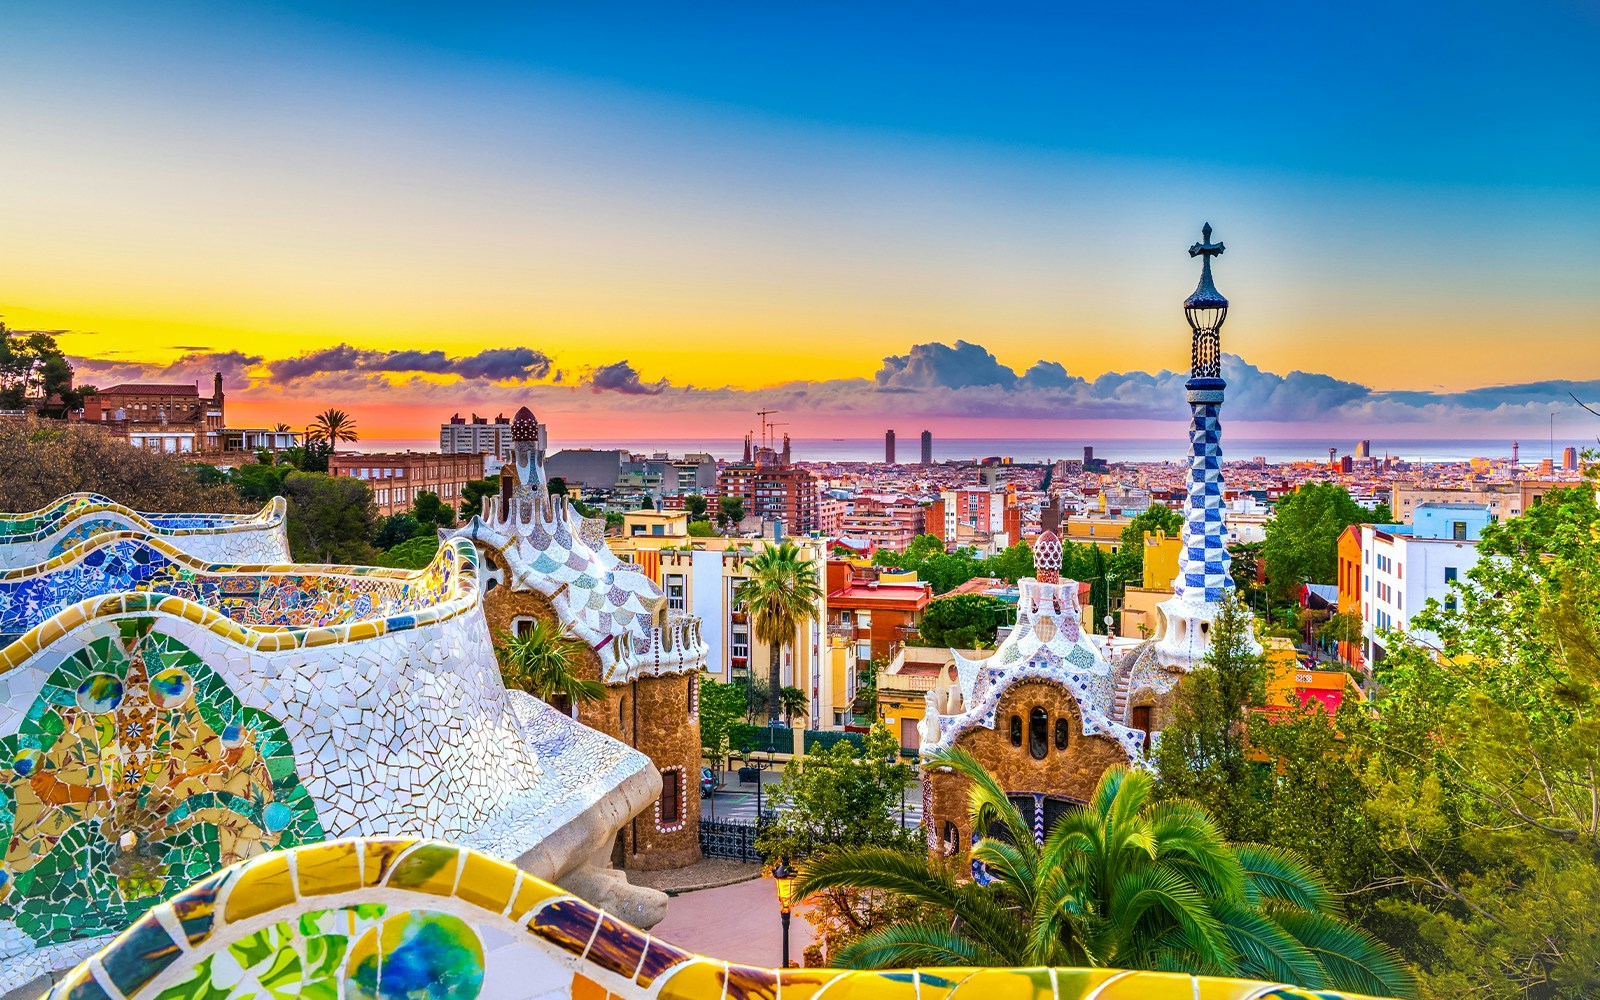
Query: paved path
{"type": "Point", "coordinates": [738, 923]}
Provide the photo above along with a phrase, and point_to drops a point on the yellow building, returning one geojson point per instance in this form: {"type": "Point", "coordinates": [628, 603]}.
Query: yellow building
{"type": "Point", "coordinates": [701, 575]}
{"type": "Point", "coordinates": [1101, 530]}
{"type": "Point", "coordinates": [904, 684]}
{"type": "Point", "coordinates": [1161, 552]}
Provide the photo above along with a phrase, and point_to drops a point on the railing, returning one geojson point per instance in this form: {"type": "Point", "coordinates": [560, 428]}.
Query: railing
{"type": "Point", "coordinates": [729, 839]}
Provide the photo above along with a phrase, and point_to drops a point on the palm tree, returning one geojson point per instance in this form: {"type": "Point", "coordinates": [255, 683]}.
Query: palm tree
{"type": "Point", "coordinates": [332, 426]}
{"type": "Point", "coordinates": [280, 428]}
{"type": "Point", "coordinates": [1122, 882]}
{"type": "Point", "coordinates": [794, 702]}
{"type": "Point", "coordinates": [781, 594]}
{"type": "Point", "coordinates": [542, 661]}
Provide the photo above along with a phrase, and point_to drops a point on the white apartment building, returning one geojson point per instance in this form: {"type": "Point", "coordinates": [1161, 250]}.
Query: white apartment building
{"type": "Point", "coordinates": [477, 436]}
{"type": "Point", "coordinates": [1403, 566]}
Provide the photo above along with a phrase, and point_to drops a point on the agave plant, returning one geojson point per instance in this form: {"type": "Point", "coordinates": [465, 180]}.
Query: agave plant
{"type": "Point", "coordinates": [1122, 882]}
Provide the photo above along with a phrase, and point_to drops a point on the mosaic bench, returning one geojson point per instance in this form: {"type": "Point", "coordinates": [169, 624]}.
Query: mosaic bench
{"type": "Point", "coordinates": [162, 717]}
{"type": "Point", "coordinates": [38, 536]}
{"type": "Point", "coordinates": [401, 919]}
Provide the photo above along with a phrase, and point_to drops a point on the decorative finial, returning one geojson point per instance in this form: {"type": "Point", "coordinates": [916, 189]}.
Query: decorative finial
{"type": "Point", "coordinates": [1047, 558]}
{"type": "Point", "coordinates": [1205, 247]}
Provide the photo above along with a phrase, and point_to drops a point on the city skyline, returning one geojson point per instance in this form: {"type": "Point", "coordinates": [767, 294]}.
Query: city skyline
{"type": "Point", "coordinates": [399, 214]}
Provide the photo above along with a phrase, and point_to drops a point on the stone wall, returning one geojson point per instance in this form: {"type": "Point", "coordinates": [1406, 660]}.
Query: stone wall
{"type": "Point", "coordinates": [1064, 774]}
{"type": "Point", "coordinates": [650, 714]}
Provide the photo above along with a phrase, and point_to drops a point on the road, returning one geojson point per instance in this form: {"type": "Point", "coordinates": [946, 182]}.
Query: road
{"type": "Point", "coordinates": [737, 802]}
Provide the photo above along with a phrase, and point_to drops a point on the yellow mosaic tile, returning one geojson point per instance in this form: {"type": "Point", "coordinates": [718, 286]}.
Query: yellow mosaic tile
{"type": "Point", "coordinates": [1004, 984]}
{"type": "Point", "coordinates": [694, 981]}
{"type": "Point", "coordinates": [328, 868]}
{"type": "Point", "coordinates": [262, 886]}
{"type": "Point", "coordinates": [378, 858]}
{"type": "Point", "coordinates": [1144, 985]}
{"type": "Point", "coordinates": [530, 892]}
{"type": "Point", "coordinates": [937, 984]}
{"type": "Point", "coordinates": [486, 882]}
{"type": "Point", "coordinates": [803, 984]}
{"type": "Point", "coordinates": [428, 867]}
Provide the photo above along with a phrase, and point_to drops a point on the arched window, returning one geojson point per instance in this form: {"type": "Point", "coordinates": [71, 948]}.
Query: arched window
{"type": "Point", "coordinates": [1016, 730]}
{"type": "Point", "coordinates": [1038, 733]}
{"type": "Point", "coordinates": [1062, 733]}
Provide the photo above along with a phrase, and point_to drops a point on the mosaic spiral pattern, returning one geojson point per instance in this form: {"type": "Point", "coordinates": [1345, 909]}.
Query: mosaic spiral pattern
{"type": "Point", "coordinates": [40, 535]}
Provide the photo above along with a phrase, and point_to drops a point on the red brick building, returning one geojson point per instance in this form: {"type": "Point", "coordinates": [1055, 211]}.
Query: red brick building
{"type": "Point", "coordinates": [773, 492]}
{"type": "Point", "coordinates": [887, 522]}
{"type": "Point", "coordinates": [397, 477]}
{"type": "Point", "coordinates": [159, 416]}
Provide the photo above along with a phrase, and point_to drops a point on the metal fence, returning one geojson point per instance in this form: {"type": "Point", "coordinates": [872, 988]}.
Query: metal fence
{"type": "Point", "coordinates": [728, 839]}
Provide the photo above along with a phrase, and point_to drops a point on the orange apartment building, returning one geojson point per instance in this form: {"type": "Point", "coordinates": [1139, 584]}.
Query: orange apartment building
{"type": "Point", "coordinates": [875, 615]}
{"type": "Point", "coordinates": [396, 478]}
{"type": "Point", "coordinates": [1349, 580]}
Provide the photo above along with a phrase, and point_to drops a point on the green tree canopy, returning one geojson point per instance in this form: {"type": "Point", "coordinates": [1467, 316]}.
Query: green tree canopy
{"type": "Point", "coordinates": [331, 519]}
{"type": "Point", "coordinates": [838, 799]}
{"type": "Point", "coordinates": [32, 367]}
{"type": "Point", "coordinates": [730, 511]}
{"type": "Point", "coordinates": [413, 553]}
{"type": "Point", "coordinates": [472, 495]}
{"type": "Point", "coordinates": [701, 529]}
{"type": "Point", "coordinates": [1203, 753]}
{"type": "Point", "coordinates": [1302, 543]}
{"type": "Point", "coordinates": [963, 621]}
{"type": "Point", "coordinates": [429, 510]}
{"type": "Point", "coordinates": [696, 507]}
{"type": "Point", "coordinates": [1485, 766]}
{"type": "Point", "coordinates": [399, 528]}
{"type": "Point", "coordinates": [41, 462]}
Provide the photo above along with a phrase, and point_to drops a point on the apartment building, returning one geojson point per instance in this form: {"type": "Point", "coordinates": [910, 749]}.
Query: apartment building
{"type": "Point", "coordinates": [397, 478]}
{"type": "Point", "coordinates": [1403, 566]}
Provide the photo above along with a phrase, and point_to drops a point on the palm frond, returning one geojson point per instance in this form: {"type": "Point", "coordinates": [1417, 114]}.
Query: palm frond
{"type": "Point", "coordinates": [1266, 951]}
{"type": "Point", "coordinates": [1352, 959]}
{"type": "Point", "coordinates": [1283, 874]}
{"type": "Point", "coordinates": [910, 876]}
{"type": "Point", "coordinates": [988, 801]}
{"type": "Point", "coordinates": [1137, 893]}
{"type": "Point", "coordinates": [909, 945]}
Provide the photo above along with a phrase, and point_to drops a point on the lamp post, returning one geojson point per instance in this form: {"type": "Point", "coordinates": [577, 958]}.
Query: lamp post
{"type": "Point", "coordinates": [783, 877]}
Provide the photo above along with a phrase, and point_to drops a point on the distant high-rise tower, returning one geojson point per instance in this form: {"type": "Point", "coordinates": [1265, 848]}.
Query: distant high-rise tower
{"type": "Point", "coordinates": [927, 447]}
{"type": "Point", "coordinates": [1569, 458]}
{"type": "Point", "coordinates": [1088, 455]}
{"type": "Point", "coordinates": [1363, 449]}
{"type": "Point", "coordinates": [1514, 449]}
{"type": "Point", "coordinates": [1203, 579]}
{"type": "Point", "coordinates": [788, 456]}
{"type": "Point", "coordinates": [749, 452]}
{"type": "Point", "coordinates": [888, 447]}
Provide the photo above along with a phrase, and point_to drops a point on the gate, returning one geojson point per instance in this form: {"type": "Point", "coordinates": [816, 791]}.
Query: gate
{"type": "Point", "coordinates": [728, 839]}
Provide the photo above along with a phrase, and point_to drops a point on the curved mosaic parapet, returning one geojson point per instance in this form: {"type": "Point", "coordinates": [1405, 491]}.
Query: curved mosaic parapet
{"type": "Point", "coordinates": [165, 717]}
{"type": "Point", "coordinates": [38, 536]}
{"type": "Point", "coordinates": [425, 920]}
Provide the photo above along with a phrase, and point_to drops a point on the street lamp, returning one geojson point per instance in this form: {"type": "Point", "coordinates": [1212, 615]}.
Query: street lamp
{"type": "Point", "coordinates": [784, 877]}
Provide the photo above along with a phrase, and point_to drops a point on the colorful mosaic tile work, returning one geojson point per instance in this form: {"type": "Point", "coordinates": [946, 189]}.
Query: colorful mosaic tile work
{"type": "Point", "coordinates": [548, 548]}
{"type": "Point", "coordinates": [170, 716]}
{"type": "Point", "coordinates": [41, 535]}
{"type": "Point", "coordinates": [334, 599]}
{"type": "Point", "coordinates": [1048, 643]}
{"type": "Point", "coordinates": [425, 920]}
{"type": "Point", "coordinates": [135, 771]}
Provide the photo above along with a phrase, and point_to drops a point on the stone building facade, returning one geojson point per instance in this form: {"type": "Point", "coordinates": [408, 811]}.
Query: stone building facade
{"type": "Point", "coordinates": [544, 562]}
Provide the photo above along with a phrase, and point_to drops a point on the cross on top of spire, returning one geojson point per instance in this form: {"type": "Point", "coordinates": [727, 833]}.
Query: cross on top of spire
{"type": "Point", "coordinates": [1206, 248]}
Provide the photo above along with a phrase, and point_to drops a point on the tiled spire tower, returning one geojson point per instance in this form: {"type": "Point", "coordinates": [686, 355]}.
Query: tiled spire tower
{"type": "Point", "coordinates": [1203, 579]}
{"type": "Point", "coordinates": [1203, 571]}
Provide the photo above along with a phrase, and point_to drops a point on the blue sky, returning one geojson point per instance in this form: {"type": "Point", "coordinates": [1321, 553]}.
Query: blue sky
{"type": "Point", "coordinates": [740, 195]}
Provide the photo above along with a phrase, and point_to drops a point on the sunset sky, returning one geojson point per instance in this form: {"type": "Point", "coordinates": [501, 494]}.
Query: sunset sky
{"type": "Point", "coordinates": [638, 214]}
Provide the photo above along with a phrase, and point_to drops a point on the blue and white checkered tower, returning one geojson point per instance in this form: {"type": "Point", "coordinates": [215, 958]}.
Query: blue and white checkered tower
{"type": "Point", "coordinates": [1203, 578]}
